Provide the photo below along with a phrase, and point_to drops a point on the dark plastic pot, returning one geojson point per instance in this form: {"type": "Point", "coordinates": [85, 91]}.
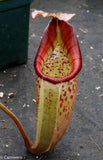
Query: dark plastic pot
{"type": "Point", "coordinates": [14, 28]}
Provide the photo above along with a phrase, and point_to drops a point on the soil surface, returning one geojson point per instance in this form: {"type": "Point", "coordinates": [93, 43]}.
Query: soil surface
{"type": "Point", "coordinates": [83, 139]}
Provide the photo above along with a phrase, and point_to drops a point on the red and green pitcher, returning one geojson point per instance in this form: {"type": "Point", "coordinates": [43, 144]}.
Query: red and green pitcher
{"type": "Point", "coordinates": [57, 64]}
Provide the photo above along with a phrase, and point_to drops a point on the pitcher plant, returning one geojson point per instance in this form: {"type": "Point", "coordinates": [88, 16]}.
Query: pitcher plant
{"type": "Point", "coordinates": [57, 64]}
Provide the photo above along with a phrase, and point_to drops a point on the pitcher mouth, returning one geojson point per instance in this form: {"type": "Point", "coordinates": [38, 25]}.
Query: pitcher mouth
{"type": "Point", "coordinates": [53, 34]}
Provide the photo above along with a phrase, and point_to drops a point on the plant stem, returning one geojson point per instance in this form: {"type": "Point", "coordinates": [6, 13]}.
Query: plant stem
{"type": "Point", "coordinates": [27, 141]}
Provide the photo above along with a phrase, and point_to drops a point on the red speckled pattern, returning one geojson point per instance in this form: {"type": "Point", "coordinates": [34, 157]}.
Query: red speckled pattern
{"type": "Point", "coordinates": [57, 64]}
{"type": "Point", "coordinates": [69, 42]}
{"type": "Point", "coordinates": [62, 107]}
{"type": "Point", "coordinates": [65, 108]}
